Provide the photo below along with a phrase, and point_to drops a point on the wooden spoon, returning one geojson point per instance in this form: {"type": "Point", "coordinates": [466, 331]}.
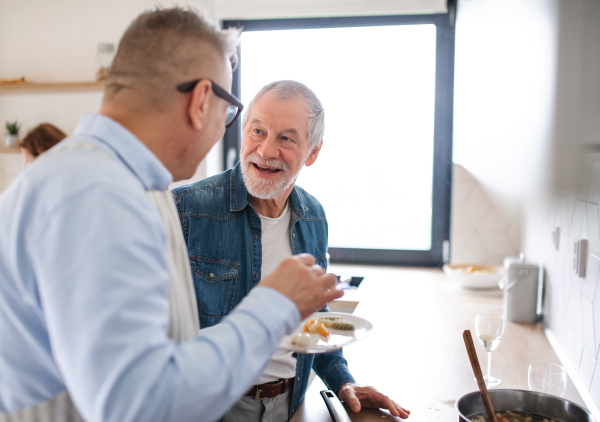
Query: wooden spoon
{"type": "Point", "coordinates": [478, 375]}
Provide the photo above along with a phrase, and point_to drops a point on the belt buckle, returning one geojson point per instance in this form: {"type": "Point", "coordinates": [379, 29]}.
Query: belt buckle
{"type": "Point", "coordinates": [257, 395]}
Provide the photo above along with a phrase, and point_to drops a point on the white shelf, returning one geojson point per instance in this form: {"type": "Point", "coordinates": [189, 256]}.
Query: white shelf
{"type": "Point", "coordinates": [51, 86]}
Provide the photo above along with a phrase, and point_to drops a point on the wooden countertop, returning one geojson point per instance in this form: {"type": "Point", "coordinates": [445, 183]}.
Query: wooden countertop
{"type": "Point", "coordinates": [416, 354]}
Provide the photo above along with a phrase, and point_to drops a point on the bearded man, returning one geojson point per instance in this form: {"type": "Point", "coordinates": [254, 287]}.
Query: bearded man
{"type": "Point", "coordinates": [263, 218]}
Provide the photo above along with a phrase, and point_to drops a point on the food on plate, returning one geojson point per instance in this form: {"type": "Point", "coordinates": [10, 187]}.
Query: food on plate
{"type": "Point", "coordinates": [322, 325]}
{"type": "Point", "coordinates": [509, 416]}
{"type": "Point", "coordinates": [314, 336]}
{"type": "Point", "coordinates": [302, 340]}
{"type": "Point", "coordinates": [309, 324]}
{"type": "Point", "coordinates": [315, 326]}
{"type": "Point", "coordinates": [337, 323]}
{"type": "Point", "coordinates": [472, 269]}
{"type": "Point", "coordinates": [329, 317]}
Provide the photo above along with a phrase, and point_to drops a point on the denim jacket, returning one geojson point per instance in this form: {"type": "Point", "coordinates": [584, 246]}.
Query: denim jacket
{"type": "Point", "coordinates": [223, 236]}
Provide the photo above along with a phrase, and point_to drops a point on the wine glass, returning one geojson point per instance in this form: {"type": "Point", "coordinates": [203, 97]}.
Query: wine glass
{"type": "Point", "coordinates": [489, 329]}
{"type": "Point", "coordinates": [549, 378]}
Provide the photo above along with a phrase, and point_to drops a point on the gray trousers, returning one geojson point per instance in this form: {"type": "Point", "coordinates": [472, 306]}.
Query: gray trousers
{"type": "Point", "coordinates": [247, 409]}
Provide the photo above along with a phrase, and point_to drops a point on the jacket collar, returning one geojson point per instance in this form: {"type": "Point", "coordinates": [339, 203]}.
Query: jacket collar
{"type": "Point", "coordinates": [238, 199]}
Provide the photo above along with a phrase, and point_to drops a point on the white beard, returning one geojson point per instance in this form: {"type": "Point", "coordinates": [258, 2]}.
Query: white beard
{"type": "Point", "coordinates": [267, 189]}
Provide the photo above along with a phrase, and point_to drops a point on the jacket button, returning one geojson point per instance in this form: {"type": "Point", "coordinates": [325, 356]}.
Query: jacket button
{"type": "Point", "coordinates": [255, 275]}
{"type": "Point", "coordinates": [255, 236]}
{"type": "Point", "coordinates": [298, 379]}
{"type": "Point", "coordinates": [211, 275]}
{"type": "Point", "coordinates": [294, 235]}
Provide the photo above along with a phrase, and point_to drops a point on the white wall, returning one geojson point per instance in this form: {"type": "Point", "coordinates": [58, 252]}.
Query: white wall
{"type": "Point", "coordinates": [56, 41]}
{"type": "Point", "coordinates": [257, 9]}
{"type": "Point", "coordinates": [577, 117]}
{"type": "Point", "coordinates": [504, 92]}
{"type": "Point", "coordinates": [505, 71]}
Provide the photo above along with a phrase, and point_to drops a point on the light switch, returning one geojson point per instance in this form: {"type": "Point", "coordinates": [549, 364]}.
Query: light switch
{"type": "Point", "coordinates": [580, 257]}
{"type": "Point", "coordinates": [556, 237]}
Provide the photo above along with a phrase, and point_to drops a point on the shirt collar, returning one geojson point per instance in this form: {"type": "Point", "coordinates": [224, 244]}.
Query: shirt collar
{"type": "Point", "coordinates": [130, 150]}
{"type": "Point", "coordinates": [238, 199]}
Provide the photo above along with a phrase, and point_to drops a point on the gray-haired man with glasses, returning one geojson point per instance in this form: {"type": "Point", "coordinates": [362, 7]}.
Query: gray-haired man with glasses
{"type": "Point", "coordinates": [98, 319]}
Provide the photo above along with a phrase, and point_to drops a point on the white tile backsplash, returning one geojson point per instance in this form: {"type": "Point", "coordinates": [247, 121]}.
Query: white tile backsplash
{"type": "Point", "coordinates": [595, 387]}
{"type": "Point", "coordinates": [513, 232]}
{"type": "Point", "coordinates": [497, 245]}
{"type": "Point", "coordinates": [572, 303]}
{"type": "Point", "coordinates": [482, 230]}
{"type": "Point", "coordinates": [586, 368]}
{"type": "Point", "coordinates": [473, 250]}
{"type": "Point", "coordinates": [596, 310]}
{"type": "Point", "coordinates": [495, 220]}
{"type": "Point", "coordinates": [569, 205]}
{"type": "Point", "coordinates": [476, 205]}
{"type": "Point", "coordinates": [587, 315]}
{"type": "Point", "coordinates": [574, 338]}
{"type": "Point", "coordinates": [593, 228]}
{"type": "Point", "coordinates": [460, 221]}
{"type": "Point", "coordinates": [591, 277]}
{"type": "Point", "coordinates": [577, 217]}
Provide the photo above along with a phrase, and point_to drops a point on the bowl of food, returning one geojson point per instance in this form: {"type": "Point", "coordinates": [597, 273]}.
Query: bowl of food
{"type": "Point", "coordinates": [475, 276]}
{"type": "Point", "coordinates": [519, 406]}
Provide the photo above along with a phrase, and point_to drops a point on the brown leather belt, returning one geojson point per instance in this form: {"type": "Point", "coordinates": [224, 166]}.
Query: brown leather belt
{"type": "Point", "coordinates": [270, 389]}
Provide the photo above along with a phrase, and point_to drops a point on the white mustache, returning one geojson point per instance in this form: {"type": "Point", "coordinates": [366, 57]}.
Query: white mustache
{"type": "Point", "coordinates": [270, 162]}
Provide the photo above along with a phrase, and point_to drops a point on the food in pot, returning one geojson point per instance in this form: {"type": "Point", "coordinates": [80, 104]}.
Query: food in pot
{"type": "Point", "coordinates": [509, 416]}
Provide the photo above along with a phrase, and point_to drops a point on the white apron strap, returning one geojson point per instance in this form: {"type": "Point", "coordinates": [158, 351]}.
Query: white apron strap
{"type": "Point", "coordinates": [59, 409]}
{"type": "Point", "coordinates": [183, 312]}
{"type": "Point", "coordinates": [183, 322]}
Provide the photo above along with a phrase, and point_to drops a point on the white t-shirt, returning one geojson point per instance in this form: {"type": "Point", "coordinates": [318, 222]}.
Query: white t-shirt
{"type": "Point", "coordinates": [276, 246]}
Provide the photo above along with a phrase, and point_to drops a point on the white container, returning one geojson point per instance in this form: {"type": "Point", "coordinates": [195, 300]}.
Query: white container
{"type": "Point", "coordinates": [522, 290]}
{"type": "Point", "coordinates": [104, 58]}
{"type": "Point", "coordinates": [11, 140]}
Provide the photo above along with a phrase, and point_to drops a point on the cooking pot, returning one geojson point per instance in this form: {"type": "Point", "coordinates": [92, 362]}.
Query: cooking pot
{"type": "Point", "coordinates": [523, 401]}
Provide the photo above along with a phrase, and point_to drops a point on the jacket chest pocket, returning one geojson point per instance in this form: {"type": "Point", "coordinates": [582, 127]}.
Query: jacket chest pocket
{"type": "Point", "coordinates": [215, 283]}
{"type": "Point", "coordinates": [321, 260]}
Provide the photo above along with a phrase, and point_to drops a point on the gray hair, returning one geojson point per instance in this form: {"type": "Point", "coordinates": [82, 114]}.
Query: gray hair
{"type": "Point", "coordinates": [168, 44]}
{"type": "Point", "coordinates": [288, 89]}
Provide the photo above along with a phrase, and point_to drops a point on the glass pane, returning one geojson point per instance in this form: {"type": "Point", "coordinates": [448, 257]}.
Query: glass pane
{"type": "Point", "coordinates": [377, 85]}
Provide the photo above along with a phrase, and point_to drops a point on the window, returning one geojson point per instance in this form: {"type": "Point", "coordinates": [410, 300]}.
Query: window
{"type": "Point", "coordinates": [383, 174]}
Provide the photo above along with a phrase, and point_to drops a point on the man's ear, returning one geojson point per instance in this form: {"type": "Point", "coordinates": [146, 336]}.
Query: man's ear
{"type": "Point", "coordinates": [199, 105]}
{"type": "Point", "coordinates": [314, 153]}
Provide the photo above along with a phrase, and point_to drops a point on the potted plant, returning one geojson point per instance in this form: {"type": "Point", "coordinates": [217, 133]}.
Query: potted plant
{"type": "Point", "coordinates": [12, 133]}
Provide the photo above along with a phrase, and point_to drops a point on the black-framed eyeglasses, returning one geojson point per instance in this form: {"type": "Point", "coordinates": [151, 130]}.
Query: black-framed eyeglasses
{"type": "Point", "coordinates": [235, 106]}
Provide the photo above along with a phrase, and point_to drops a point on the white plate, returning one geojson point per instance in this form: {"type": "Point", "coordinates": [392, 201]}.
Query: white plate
{"type": "Point", "coordinates": [475, 276]}
{"type": "Point", "coordinates": [337, 339]}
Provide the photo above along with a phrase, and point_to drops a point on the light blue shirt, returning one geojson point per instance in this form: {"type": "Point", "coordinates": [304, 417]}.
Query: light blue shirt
{"type": "Point", "coordinates": [84, 294]}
